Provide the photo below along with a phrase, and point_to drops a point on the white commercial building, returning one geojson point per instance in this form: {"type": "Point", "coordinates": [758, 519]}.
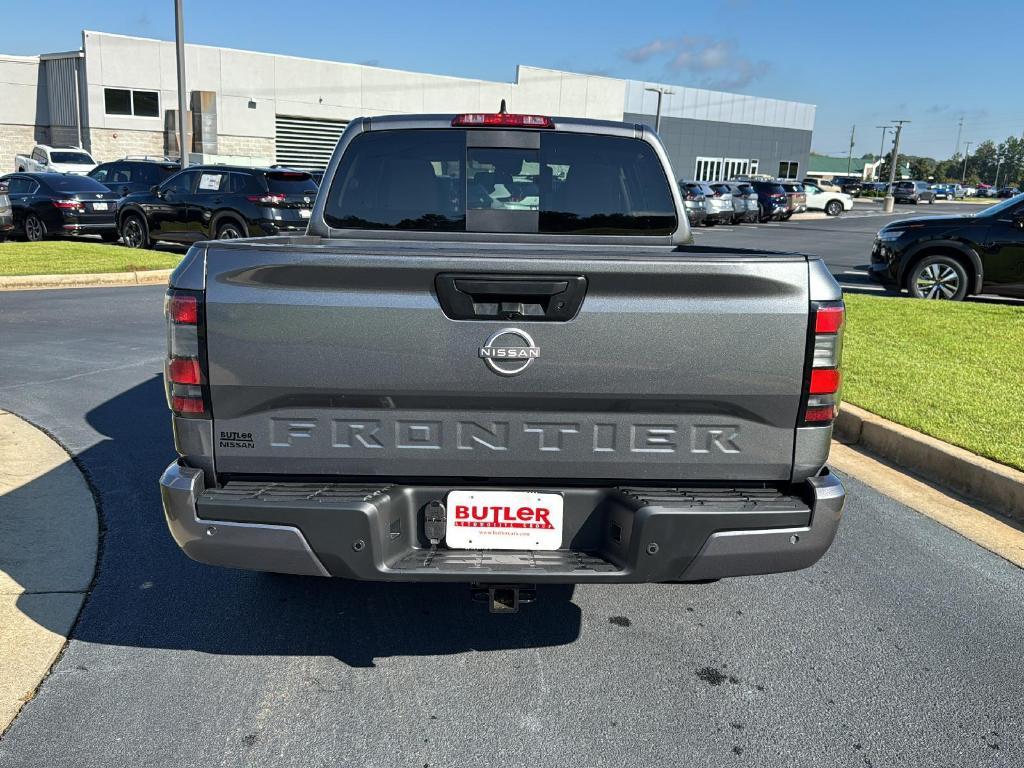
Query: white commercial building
{"type": "Point", "coordinates": [117, 96]}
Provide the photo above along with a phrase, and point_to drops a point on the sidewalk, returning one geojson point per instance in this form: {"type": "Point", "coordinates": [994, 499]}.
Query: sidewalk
{"type": "Point", "coordinates": [48, 540]}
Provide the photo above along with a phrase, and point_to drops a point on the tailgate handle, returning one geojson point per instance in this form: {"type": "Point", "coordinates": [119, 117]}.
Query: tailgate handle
{"type": "Point", "coordinates": [537, 298]}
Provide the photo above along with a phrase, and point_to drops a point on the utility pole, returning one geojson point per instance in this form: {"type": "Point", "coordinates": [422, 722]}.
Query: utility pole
{"type": "Point", "coordinates": [999, 162]}
{"type": "Point", "coordinates": [890, 201]}
{"type": "Point", "coordinates": [959, 135]}
{"type": "Point", "coordinates": [967, 154]}
{"type": "Point", "coordinates": [661, 91]}
{"type": "Point", "coordinates": [881, 151]}
{"type": "Point", "coordinates": [849, 157]}
{"type": "Point", "coordinates": [179, 44]}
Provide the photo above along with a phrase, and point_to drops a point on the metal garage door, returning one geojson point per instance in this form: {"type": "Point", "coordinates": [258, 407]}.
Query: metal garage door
{"type": "Point", "coordinates": [305, 142]}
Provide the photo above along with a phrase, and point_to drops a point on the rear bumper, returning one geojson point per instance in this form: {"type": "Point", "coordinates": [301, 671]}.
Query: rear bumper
{"type": "Point", "coordinates": [615, 535]}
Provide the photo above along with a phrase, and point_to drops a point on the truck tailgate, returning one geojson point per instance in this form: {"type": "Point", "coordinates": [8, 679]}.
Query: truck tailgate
{"type": "Point", "coordinates": [340, 361]}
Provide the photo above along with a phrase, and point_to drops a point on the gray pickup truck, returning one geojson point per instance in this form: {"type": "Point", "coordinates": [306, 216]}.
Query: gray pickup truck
{"type": "Point", "coordinates": [497, 358]}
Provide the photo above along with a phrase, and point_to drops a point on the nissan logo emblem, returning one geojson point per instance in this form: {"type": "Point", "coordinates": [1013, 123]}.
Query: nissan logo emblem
{"type": "Point", "coordinates": [509, 351]}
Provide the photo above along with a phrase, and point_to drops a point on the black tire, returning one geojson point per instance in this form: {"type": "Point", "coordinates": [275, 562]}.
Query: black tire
{"type": "Point", "coordinates": [932, 201]}
{"type": "Point", "coordinates": [35, 229]}
{"type": "Point", "coordinates": [709, 222]}
{"type": "Point", "coordinates": [938, 277]}
{"type": "Point", "coordinates": [787, 216]}
{"type": "Point", "coordinates": [229, 229]}
{"type": "Point", "coordinates": [134, 232]}
{"type": "Point", "coordinates": [833, 208]}
{"type": "Point", "coordinates": [110, 237]}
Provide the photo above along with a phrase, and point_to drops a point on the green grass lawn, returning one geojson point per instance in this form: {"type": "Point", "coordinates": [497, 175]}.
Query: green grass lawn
{"type": "Point", "coordinates": [68, 257]}
{"type": "Point", "coordinates": [953, 371]}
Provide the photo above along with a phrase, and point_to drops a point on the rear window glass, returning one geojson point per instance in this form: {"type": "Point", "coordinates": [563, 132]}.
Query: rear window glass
{"type": "Point", "coordinates": [574, 184]}
{"type": "Point", "coordinates": [72, 158]}
{"type": "Point", "coordinates": [75, 184]}
{"type": "Point", "coordinates": [291, 183]}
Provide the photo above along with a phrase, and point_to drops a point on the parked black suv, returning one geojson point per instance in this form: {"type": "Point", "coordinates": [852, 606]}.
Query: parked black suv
{"type": "Point", "coordinates": [218, 201]}
{"type": "Point", "coordinates": [772, 200]}
{"type": "Point", "coordinates": [952, 257]}
{"type": "Point", "coordinates": [851, 186]}
{"type": "Point", "coordinates": [132, 175]}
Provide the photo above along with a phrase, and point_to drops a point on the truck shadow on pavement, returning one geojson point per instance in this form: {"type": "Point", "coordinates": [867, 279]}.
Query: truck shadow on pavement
{"type": "Point", "coordinates": [148, 594]}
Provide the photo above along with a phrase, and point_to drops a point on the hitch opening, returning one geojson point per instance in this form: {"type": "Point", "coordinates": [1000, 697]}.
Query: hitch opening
{"type": "Point", "coordinates": [504, 598]}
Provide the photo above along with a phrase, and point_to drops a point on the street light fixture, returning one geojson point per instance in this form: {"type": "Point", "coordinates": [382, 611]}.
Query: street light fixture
{"type": "Point", "coordinates": [661, 91]}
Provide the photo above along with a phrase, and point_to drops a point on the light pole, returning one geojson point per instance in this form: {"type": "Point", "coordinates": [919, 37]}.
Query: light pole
{"type": "Point", "coordinates": [881, 151]}
{"type": "Point", "coordinates": [999, 162]}
{"type": "Point", "coordinates": [661, 91]}
{"type": "Point", "coordinates": [890, 201]}
{"type": "Point", "coordinates": [967, 154]}
{"type": "Point", "coordinates": [179, 45]}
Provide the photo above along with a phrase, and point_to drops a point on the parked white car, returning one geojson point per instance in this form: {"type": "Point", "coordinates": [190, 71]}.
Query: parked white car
{"type": "Point", "coordinates": [832, 203]}
{"type": "Point", "coordinates": [46, 159]}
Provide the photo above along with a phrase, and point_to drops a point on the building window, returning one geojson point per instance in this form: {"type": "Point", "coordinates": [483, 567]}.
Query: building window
{"type": "Point", "coordinates": [121, 101]}
{"type": "Point", "coordinates": [788, 170]}
{"type": "Point", "coordinates": [708, 169]}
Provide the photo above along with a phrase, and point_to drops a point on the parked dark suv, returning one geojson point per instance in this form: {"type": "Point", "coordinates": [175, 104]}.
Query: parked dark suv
{"type": "Point", "coordinates": [772, 200]}
{"type": "Point", "coordinates": [952, 257]}
{"type": "Point", "coordinates": [133, 175]}
{"type": "Point", "coordinates": [218, 201]}
{"type": "Point", "coordinates": [913, 192]}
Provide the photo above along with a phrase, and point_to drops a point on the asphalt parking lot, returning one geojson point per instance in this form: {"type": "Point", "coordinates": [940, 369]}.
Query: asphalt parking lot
{"type": "Point", "coordinates": [901, 647]}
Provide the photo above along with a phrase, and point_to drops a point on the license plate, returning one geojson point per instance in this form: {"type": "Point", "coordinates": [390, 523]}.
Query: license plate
{"type": "Point", "coordinates": [99, 206]}
{"type": "Point", "coordinates": [504, 520]}
{"type": "Point", "coordinates": [304, 213]}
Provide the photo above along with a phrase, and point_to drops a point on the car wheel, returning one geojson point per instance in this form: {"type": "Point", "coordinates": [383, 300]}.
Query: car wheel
{"type": "Point", "coordinates": [229, 230]}
{"type": "Point", "coordinates": [932, 201]}
{"type": "Point", "coordinates": [834, 208]}
{"type": "Point", "coordinates": [787, 216]}
{"type": "Point", "coordinates": [35, 230]}
{"type": "Point", "coordinates": [938, 277]}
{"type": "Point", "coordinates": [134, 232]}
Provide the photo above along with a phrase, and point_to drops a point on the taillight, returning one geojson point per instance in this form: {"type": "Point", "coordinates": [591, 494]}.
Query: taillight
{"type": "Point", "coordinates": [823, 378]}
{"type": "Point", "coordinates": [267, 199]}
{"type": "Point", "coordinates": [501, 120]}
{"type": "Point", "coordinates": [67, 205]}
{"type": "Point", "coordinates": [184, 372]}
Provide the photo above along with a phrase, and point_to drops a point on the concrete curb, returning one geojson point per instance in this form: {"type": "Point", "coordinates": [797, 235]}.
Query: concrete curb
{"type": "Point", "coordinates": [100, 280]}
{"type": "Point", "coordinates": [49, 534]}
{"type": "Point", "coordinates": [991, 483]}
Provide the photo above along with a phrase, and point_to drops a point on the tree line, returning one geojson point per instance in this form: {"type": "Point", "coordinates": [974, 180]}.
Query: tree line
{"type": "Point", "coordinates": [999, 164]}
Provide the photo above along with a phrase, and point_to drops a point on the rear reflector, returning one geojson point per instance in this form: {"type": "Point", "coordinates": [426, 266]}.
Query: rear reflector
{"type": "Point", "coordinates": [185, 404]}
{"type": "Point", "coordinates": [501, 120]}
{"type": "Point", "coordinates": [183, 370]}
{"type": "Point", "coordinates": [824, 381]}
{"type": "Point", "coordinates": [820, 413]}
{"type": "Point", "coordinates": [829, 319]}
{"type": "Point", "coordinates": [183, 308]}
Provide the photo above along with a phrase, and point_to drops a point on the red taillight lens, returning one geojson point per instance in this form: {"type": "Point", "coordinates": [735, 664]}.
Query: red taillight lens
{"type": "Point", "coordinates": [824, 381]}
{"type": "Point", "coordinates": [182, 308]}
{"type": "Point", "coordinates": [185, 381]}
{"type": "Point", "coordinates": [829, 319]}
{"type": "Point", "coordinates": [501, 120]}
{"type": "Point", "coordinates": [68, 205]}
{"type": "Point", "coordinates": [266, 199]}
{"type": "Point", "coordinates": [187, 404]}
{"type": "Point", "coordinates": [183, 370]}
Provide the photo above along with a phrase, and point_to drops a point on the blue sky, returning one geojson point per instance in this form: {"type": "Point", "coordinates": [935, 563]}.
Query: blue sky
{"type": "Point", "coordinates": [824, 53]}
